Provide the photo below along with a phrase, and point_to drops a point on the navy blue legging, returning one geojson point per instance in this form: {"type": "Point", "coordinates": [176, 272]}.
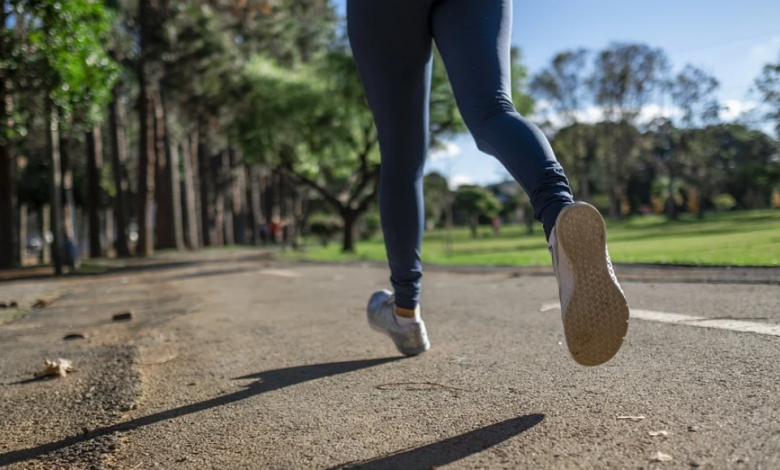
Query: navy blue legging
{"type": "Point", "coordinates": [392, 41]}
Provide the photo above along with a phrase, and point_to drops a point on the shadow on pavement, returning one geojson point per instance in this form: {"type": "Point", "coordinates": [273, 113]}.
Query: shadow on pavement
{"type": "Point", "coordinates": [449, 450]}
{"type": "Point", "coordinates": [215, 272]}
{"type": "Point", "coordinates": [266, 382]}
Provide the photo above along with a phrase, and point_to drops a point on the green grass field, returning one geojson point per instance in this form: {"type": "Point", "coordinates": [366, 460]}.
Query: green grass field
{"type": "Point", "coordinates": [736, 238]}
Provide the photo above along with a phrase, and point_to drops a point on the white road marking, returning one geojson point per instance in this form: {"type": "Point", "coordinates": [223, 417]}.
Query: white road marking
{"type": "Point", "coordinates": [697, 321]}
{"type": "Point", "coordinates": [280, 273]}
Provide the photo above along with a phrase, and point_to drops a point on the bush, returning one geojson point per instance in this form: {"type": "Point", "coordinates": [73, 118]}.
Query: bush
{"type": "Point", "coordinates": [324, 228]}
{"type": "Point", "coordinates": [370, 225]}
{"type": "Point", "coordinates": [725, 202]}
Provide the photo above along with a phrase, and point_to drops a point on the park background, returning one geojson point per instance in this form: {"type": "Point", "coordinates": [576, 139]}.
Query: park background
{"type": "Point", "coordinates": [131, 128]}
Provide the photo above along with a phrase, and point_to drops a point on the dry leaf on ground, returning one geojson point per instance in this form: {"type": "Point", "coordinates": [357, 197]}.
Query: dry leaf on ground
{"type": "Point", "coordinates": [661, 457]}
{"type": "Point", "coordinates": [59, 368]}
{"type": "Point", "coordinates": [632, 418]}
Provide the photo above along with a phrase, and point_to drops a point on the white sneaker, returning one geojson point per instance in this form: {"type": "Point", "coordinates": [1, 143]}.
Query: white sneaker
{"type": "Point", "coordinates": [593, 306]}
{"type": "Point", "coordinates": [409, 335]}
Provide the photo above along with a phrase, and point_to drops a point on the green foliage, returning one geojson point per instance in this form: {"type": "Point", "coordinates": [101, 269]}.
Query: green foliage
{"type": "Point", "coordinates": [68, 55]}
{"type": "Point", "coordinates": [437, 195]}
{"type": "Point", "coordinates": [768, 87]}
{"type": "Point", "coordinates": [562, 84]}
{"type": "Point", "coordinates": [473, 202]}
{"type": "Point", "coordinates": [324, 228]}
{"type": "Point", "coordinates": [370, 226]}
{"type": "Point", "coordinates": [731, 238]}
{"type": "Point", "coordinates": [693, 92]}
{"type": "Point", "coordinates": [725, 202]}
{"type": "Point", "coordinates": [625, 77]}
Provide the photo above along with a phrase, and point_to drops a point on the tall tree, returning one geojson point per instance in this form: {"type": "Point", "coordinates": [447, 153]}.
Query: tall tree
{"type": "Point", "coordinates": [693, 92]}
{"type": "Point", "coordinates": [563, 84]}
{"type": "Point", "coordinates": [768, 86]}
{"type": "Point", "coordinates": [119, 148]}
{"type": "Point", "coordinates": [314, 123]}
{"type": "Point", "coordinates": [73, 71]}
{"type": "Point", "coordinates": [8, 203]}
{"type": "Point", "coordinates": [94, 175]}
{"type": "Point", "coordinates": [472, 202]}
{"type": "Point", "coordinates": [625, 78]}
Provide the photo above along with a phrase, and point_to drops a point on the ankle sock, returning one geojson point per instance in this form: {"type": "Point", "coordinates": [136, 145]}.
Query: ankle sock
{"type": "Point", "coordinates": [407, 320]}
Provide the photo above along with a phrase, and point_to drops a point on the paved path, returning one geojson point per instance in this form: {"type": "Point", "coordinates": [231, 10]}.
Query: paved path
{"type": "Point", "coordinates": [237, 362]}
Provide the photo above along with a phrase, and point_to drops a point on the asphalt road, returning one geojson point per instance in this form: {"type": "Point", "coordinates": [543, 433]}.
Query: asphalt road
{"type": "Point", "coordinates": [235, 361]}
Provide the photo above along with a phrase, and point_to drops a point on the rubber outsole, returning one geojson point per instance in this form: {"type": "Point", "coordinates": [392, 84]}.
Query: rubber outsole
{"type": "Point", "coordinates": [405, 351]}
{"type": "Point", "coordinates": [596, 318]}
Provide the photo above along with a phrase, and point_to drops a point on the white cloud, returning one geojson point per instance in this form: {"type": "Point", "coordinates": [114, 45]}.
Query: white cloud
{"type": "Point", "coordinates": [767, 50]}
{"type": "Point", "coordinates": [448, 150]}
{"type": "Point", "coordinates": [734, 109]}
{"type": "Point", "coordinates": [459, 180]}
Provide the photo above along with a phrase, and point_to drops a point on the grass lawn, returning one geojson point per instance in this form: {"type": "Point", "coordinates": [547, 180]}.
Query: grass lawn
{"type": "Point", "coordinates": [750, 238]}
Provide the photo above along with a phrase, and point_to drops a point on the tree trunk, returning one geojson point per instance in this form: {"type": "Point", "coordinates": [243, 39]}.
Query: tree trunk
{"type": "Point", "coordinates": [219, 198]}
{"type": "Point", "coordinates": [190, 210]}
{"type": "Point", "coordinates": [240, 210]}
{"type": "Point", "coordinates": [254, 202]}
{"type": "Point", "coordinates": [22, 242]}
{"type": "Point", "coordinates": [118, 125]}
{"type": "Point", "coordinates": [226, 190]}
{"type": "Point", "coordinates": [146, 171]}
{"type": "Point", "coordinates": [209, 236]}
{"type": "Point", "coordinates": [45, 229]}
{"type": "Point", "coordinates": [70, 227]}
{"type": "Point", "coordinates": [164, 224]}
{"type": "Point", "coordinates": [194, 145]}
{"type": "Point", "coordinates": [614, 205]}
{"type": "Point", "coordinates": [108, 229]}
{"type": "Point", "coordinates": [94, 170]}
{"type": "Point", "coordinates": [174, 179]}
{"type": "Point", "coordinates": [55, 187]}
{"type": "Point", "coordinates": [8, 258]}
{"type": "Point", "coordinates": [350, 219]}
{"type": "Point", "coordinates": [584, 188]}
{"type": "Point", "coordinates": [473, 225]}
{"type": "Point", "coordinates": [671, 203]}
{"type": "Point", "coordinates": [270, 205]}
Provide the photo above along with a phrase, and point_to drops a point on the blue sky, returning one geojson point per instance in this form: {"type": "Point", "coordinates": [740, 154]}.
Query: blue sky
{"type": "Point", "coordinates": [730, 39]}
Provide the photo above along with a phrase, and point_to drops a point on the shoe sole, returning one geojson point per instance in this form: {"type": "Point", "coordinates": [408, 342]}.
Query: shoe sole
{"type": "Point", "coordinates": [405, 352]}
{"type": "Point", "coordinates": [596, 320]}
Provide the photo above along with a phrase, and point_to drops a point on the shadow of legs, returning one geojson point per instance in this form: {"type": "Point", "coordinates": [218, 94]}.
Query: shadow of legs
{"type": "Point", "coordinates": [266, 382]}
{"type": "Point", "coordinates": [449, 450]}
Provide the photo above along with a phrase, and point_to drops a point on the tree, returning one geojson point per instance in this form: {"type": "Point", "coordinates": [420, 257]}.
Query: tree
{"type": "Point", "coordinates": [693, 92]}
{"type": "Point", "coordinates": [625, 78]}
{"type": "Point", "coordinates": [562, 84]}
{"type": "Point", "coordinates": [748, 160]}
{"type": "Point", "coordinates": [314, 123]}
{"type": "Point", "coordinates": [472, 202]}
{"type": "Point", "coordinates": [768, 86]}
{"type": "Point", "coordinates": [71, 70]}
{"type": "Point", "coordinates": [437, 197]}
{"type": "Point", "coordinates": [576, 147]}
{"type": "Point", "coordinates": [8, 246]}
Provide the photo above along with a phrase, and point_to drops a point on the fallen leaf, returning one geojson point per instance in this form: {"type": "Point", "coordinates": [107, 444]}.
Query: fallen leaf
{"type": "Point", "coordinates": [41, 303]}
{"type": "Point", "coordinates": [661, 457]}
{"type": "Point", "coordinates": [632, 418]}
{"type": "Point", "coordinates": [59, 368]}
{"type": "Point", "coordinates": [658, 433]}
